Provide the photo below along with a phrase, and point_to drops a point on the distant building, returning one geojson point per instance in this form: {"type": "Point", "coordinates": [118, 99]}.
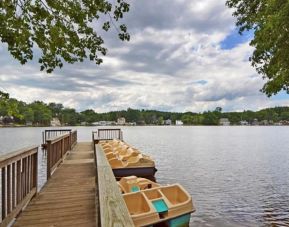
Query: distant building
{"type": "Point", "coordinates": [264, 122]}
{"type": "Point", "coordinates": [83, 123]}
{"type": "Point", "coordinates": [179, 122]}
{"type": "Point", "coordinates": [224, 121]}
{"type": "Point", "coordinates": [244, 123]}
{"type": "Point", "coordinates": [29, 123]}
{"type": "Point", "coordinates": [168, 122]}
{"type": "Point", "coordinates": [141, 122]}
{"type": "Point", "coordinates": [104, 123]}
{"type": "Point", "coordinates": [284, 122]}
{"type": "Point", "coordinates": [121, 121]}
{"type": "Point", "coordinates": [55, 122]}
{"type": "Point", "coordinates": [255, 122]}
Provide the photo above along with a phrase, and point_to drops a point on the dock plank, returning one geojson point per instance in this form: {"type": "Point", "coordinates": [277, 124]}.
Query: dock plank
{"type": "Point", "coordinates": [68, 198]}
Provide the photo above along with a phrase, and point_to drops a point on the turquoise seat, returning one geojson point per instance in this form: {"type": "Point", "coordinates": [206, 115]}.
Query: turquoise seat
{"type": "Point", "coordinates": [160, 206]}
{"type": "Point", "coordinates": [134, 189]}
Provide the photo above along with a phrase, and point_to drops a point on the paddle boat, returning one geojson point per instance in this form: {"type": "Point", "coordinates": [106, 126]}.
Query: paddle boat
{"type": "Point", "coordinates": [151, 204]}
{"type": "Point", "coordinates": [126, 160]}
{"type": "Point", "coordinates": [133, 184]}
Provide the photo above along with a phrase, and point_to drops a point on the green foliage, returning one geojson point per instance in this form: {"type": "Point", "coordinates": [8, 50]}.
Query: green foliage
{"type": "Point", "coordinates": [3, 95]}
{"type": "Point", "coordinates": [69, 116]}
{"type": "Point", "coordinates": [40, 113]}
{"type": "Point", "coordinates": [88, 116]}
{"type": "Point", "coordinates": [55, 108]}
{"type": "Point", "coordinates": [64, 30]}
{"type": "Point", "coordinates": [28, 115]}
{"type": "Point", "coordinates": [269, 19]}
{"type": "Point", "coordinates": [210, 118]}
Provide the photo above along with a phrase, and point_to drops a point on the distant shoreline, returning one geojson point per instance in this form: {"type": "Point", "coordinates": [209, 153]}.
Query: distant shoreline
{"type": "Point", "coordinates": [43, 126]}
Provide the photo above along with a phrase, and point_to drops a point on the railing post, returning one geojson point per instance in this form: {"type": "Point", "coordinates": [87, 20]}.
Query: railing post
{"type": "Point", "coordinates": [18, 170]}
{"type": "Point", "coordinates": [35, 171]}
{"type": "Point", "coordinates": [62, 148]}
{"type": "Point", "coordinates": [3, 172]}
{"type": "Point", "coordinates": [70, 140]}
{"type": "Point", "coordinates": [48, 159]}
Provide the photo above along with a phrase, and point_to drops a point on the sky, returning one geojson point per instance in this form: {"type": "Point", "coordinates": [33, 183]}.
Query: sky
{"type": "Point", "coordinates": [182, 56]}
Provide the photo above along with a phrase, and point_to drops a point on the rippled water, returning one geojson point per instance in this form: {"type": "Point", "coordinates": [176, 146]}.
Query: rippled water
{"type": "Point", "coordinates": [238, 176]}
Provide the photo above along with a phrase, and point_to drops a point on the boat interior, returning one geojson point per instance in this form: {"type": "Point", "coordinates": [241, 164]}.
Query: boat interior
{"type": "Point", "coordinates": [121, 155]}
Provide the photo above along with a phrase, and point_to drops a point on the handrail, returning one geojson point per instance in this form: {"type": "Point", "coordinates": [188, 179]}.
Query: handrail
{"type": "Point", "coordinates": [112, 208]}
{"type": "Point", "coordinates": [73, 138]}
{"type": "Point", "coordinates": [19, 181]}
{"type": "Point", "coordinates": [57, 148]}
{"type": "Point", "coordinates": [107, 134]}
{"type": "Point", "coordinates": [52, 133]}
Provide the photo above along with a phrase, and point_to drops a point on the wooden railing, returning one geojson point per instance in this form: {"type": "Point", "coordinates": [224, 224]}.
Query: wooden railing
{"type": "Point", "coordinates": [73, 136]}
{"type": "Point", "coordinates": [57, 149]}
{"type": "Point", "coordinates": [111, 208]}
{"type": "Point", "coordinates": [107, 134]}
{"type": "Point", "coordinates": [52, 133]}
{"type": "Point", "coordinates": [19, 181]}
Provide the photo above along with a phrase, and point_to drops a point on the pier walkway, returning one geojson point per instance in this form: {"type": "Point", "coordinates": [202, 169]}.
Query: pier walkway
{"type": "Point", "coordinates": [68, 198]}
{"type": "Point", "coordinates": [81, 189]}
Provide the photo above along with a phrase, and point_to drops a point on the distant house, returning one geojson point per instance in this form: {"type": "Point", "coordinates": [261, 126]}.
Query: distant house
{"type": "Point", "coordinates": [264, 122]}
{"type": "Point", "coordinates": [55, 122]}
{"type": "Point", "coordinates": [168, 122]}
{"type": "Point", "coordinates": [255, 122]}
{"type": "Point", "coordinates": [29, 123]}
{"type": "Point", "coordinates": [244, 123]}
{"type": "Point", "coordinates": [224, 121]}
{"type": "Point", "coordinates": [141, 122]}
{"type": "Point", "coordinates": [83, 123]}
{"type": "Point", "coordinates": [179, 122]}
{"type": "Point", "coordinates": [121, 121]}
{"type": "Point", "coordinates": [103, 123]}
{"type": "Point", "coordinates": [284, 122]}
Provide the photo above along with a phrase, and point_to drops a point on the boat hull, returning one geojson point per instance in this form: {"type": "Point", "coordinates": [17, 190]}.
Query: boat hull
{"type": "Point", "coordinates": [145, 172]}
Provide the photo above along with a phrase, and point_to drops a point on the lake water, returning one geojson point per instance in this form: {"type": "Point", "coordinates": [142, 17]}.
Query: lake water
{"type": "Point", "coordinates": [237, 176]}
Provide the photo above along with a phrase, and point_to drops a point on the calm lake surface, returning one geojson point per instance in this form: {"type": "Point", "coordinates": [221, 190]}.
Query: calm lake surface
{"type": "Point", "coordinates": [238, 176]}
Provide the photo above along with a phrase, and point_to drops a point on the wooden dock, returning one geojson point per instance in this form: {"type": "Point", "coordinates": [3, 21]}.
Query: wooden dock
{"type": "Point", "coordinates": [68, 198]}
{"type": "Point", "coordinates": [81, 189]}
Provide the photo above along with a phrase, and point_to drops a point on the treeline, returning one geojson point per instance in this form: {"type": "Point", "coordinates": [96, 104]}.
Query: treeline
{"type": "Point", "coordinates": [40, 114]}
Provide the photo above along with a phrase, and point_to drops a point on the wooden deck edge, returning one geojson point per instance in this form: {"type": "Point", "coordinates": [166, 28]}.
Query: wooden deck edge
{"type": "Point", "coordinates": [113, 210]}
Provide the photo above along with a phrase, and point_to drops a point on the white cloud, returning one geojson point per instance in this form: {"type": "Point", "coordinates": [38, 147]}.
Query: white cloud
{"type": "Point", "coordinates": [174, 45]}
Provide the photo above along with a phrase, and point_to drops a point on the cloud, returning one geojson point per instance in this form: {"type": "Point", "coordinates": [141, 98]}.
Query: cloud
{"type": "Point", "coordinates": [175, 61]}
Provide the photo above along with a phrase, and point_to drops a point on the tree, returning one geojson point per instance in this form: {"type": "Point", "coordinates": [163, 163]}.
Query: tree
{"type": "Point", "coordinates": [269, 20]}
{"type": "Point", "coordinates": [64, 31]}
{"type": "Point", "coordinates": [28, 115]}
{"type": "Point", "coordinates": [42, 113]}
{"type": "Point", "coordinates": [55, 108]}
{"type": "Point", "coordinates": [70, 116]}
{"type": "Point", "coordinates": [3, 95]}
{"type": "Point", "coordinates": [187, 119]}
{"type": "Point", "coordinates": [210, 118]}
{"type": "Point", "coordinates": [284, 116]}
{"type": "Point", "coordinates": [88, 116]}
{"type": "Point", "coordinates": [132, 115]}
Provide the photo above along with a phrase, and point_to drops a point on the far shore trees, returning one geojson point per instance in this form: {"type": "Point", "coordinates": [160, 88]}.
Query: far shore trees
{"type": "Point", "coordinates": [39, 113]}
